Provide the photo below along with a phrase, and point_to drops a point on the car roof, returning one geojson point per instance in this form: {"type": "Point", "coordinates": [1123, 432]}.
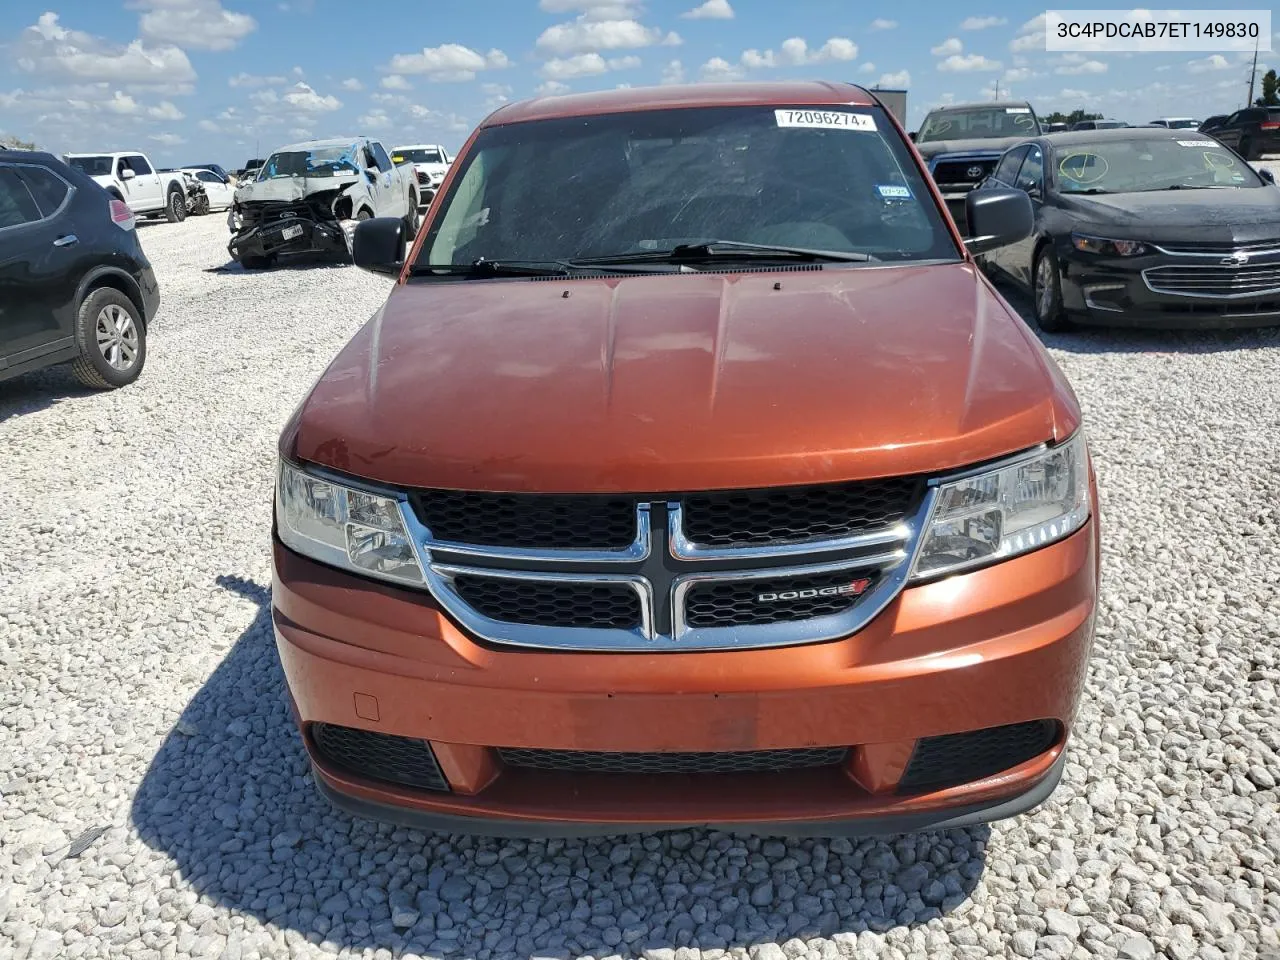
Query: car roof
{"type": "Point", "coordinates": [679, 96]}
{"type": "Point", "coordinates": [983, 105]}
{"type": "Point", "coordinates": [315, 144]}
{"type": "Point", "coordinates": [1117, 134]}
{"type": "Point", "coordinates": [27, 156]}
{"type": "Point", "coordinates": [418, 146]}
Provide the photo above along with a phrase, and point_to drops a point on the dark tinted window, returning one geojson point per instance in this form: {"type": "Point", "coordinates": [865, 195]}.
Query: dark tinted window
{"type": "Point", "coordinates": [380, 156]}
{"type": "Point", "coordinates": [93, 166]}
{"type": "Point", "coordinates": [48, 188]}
{"type": "Point", "coordinates": [208, 177]}
{"type": "Point", "coordinates": [1008, 168]}
{"type": "Point", "coordinates": [16, 204]}
{"type": "Point", "coordinates": [1031, 176]}
{"type": "Point", "coordinates": [138, 164]}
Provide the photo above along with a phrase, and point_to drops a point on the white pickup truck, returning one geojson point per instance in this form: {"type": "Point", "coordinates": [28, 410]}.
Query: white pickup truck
{"type": "Point", "coordinates": [132, 178]}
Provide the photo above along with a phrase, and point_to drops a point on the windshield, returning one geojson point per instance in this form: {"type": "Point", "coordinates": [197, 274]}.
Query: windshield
{"type": "Point", "coordinates": [93, 166]}
{"type": "Point", "coordinates": [429, 155]}
{"type": "Point", "coordinates": [978, 124]}
{"type": "Point", "coordinates": [1182, 124]}
{"type": "Point", "coordinates": [838, 179]}
{"type": "Point", "coordinates": [318, 162]}
{"type": "Point", "coordinates": [1143, 165]}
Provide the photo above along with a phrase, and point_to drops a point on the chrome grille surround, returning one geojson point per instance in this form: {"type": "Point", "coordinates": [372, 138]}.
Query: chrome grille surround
{"type": "Point", "coordinates": [660, 547]}
{"type": "Point", "coordinates": [1229, 272]}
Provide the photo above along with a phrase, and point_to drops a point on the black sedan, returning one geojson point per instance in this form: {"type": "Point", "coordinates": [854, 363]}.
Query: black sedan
{"type": "Point", "coordinates": [1143, 227]}
{"type": "Point", "coordinates": [75, 285]}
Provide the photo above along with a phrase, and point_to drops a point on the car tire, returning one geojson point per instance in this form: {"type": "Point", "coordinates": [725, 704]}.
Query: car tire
{"type": "Point", "coordinates": [175, 206]}
{"type": "Point", "coordinates": [257, 263]}
{"type": "Point", "coordinates": [200, 207]}
{"type": "Point", "coordinates": [1046, 293]}
{"type": "Point", "coordinates": [111, 338]}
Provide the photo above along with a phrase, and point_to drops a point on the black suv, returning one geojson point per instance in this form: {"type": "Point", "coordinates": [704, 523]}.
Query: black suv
{"type": "Point", "coordinates": [75, 285]}
{"type": "Point", "coordinates": [1251, 132]}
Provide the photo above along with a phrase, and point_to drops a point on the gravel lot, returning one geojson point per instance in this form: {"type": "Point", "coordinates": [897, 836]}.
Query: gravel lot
{"type": "Point", "coordinates": [156, 801]}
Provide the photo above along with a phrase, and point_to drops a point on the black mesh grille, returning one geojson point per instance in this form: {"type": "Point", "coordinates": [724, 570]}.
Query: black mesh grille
{"type": "Point", "coordinates": [794, 514]}
{"type": "Point", "coordinates": [754, 761]}
{"type": "Point", "coordinates": [964, 757]}
{"type": "Point", "coordinates": [379, 756]}
{"type": "Point", "coordinates": [550, 604]}
{"type": "Point", "coordinates": [776, 600]}
{"type": "Point", "coordinates": [545, 521]}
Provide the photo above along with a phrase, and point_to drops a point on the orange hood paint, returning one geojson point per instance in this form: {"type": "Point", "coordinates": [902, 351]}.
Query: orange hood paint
{"type": "Point", "coordinates": [684, 382]}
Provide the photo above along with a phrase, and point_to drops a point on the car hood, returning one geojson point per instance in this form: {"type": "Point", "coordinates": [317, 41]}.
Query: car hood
{"type": "Point", "coordinates": [290, 189]}
{"type": "Point", "coordinates": [981, 145]}
{"type": "Point", "coordinates": [683, 382]}
{"type": "Point", "coordinates": [1243, 215]}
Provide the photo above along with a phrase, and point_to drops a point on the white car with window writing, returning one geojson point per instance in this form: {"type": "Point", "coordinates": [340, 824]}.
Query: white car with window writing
{"type": "Point", "coordinates": [429, 162]}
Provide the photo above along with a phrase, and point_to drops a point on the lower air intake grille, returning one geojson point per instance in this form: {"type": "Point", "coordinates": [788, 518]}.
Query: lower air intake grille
{"type": "Point", "coordinates": [775, 600]}
{"type": "Point", "coordinates": [379, 756]}
{"type": "Point", "coordinates": [964, 757]}
{"type": "Point", "coordinates": [753, 761]}
{"type": "Point", "coordinates": [551, 604]}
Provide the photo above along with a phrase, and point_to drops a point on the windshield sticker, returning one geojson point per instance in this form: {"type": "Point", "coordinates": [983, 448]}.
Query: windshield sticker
{"type": "Point", "coordinates": [1017, 109]}
{"type": "Point", "coordinates": [894, 191]}
{"type": "Point", "coordinates": [825, 120]}
{"type": "Point", "coordinates": [1196, 143]}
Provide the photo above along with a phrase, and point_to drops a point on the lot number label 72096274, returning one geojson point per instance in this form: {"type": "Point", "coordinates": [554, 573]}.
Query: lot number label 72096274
{"type": "Point", "coordinates": [825, 119]}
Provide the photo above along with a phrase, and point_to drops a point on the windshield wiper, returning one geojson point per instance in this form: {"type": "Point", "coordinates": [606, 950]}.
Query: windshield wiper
{"type": "Point", "coordinates": [726, 250]}
{"type": "Point", "coordinates": [512, 268]}
{"type": "Point", "coordinates": [1092, 191]}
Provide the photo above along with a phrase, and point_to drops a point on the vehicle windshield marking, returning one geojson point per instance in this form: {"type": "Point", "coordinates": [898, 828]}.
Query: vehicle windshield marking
{"type": "Point", "coordinates": [636, 187]}
{"type": "Point", "coordinates": [980, 123]}
{"type": "Point", "coordinates": [418, 156]}
{"type": "Point", "coordinates": [1143, 165]}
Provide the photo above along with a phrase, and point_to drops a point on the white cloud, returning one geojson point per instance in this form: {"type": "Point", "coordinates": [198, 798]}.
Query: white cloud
{"type": "Point", "coordinates": [867, 67]}
{"type": "Point", "coordinates": [164, 110]}
{"type": "Point", "coordinates": [167, 139]}
{"type": "Point", "coordinates": [120, 103]}
{"type": "Point", "coordinates": [593, 9]}
{"type": "Point", "coordinates": [711, 10]}
{"type": "Point", "coordinates": [303, 97]}
{"type": "Point", "coordinates": [586, 65]}
{"type": "Point", "coordinates": [194, 24]}
{"type": "Point", "coordinates": [381, 97]}
{"type": "Point", "coordinates": [1215, 62]}
{"type": "Point", "coordinates": [374, 120]}
{"type": "Point", "coordinates": [1085, 66]}
{"type": "Point", "coordinates": [1031, 36]}
{"type": "Point", "coordinates": [589, 36]}
{"type": "Point", "coordinates": [982, 23]}
{"type": "Point", "coordinates": [895, 81]}
{"type": "Point", "coordinates": [351, 83]}
{"type": "Point", "coordinates": [49, 48]}
{"type": "Point", "coordinates": [968, 63]}
{"type": "Point", "coordinates": [254, 80]}
{"type": "Point", "coordinates": [208, 126]}
{"type": "Point", "coordinates": [795, 52]}
{"type": "Point", "coordinates": [1017, 75]}
{"type": "Point", "coordinates": [880, 23]}
{"type": "Point", "coordinates": [449, 61]}
{"type": "Point", "coordinates": [551, 88]}
{"type": "Point", "coordinates": [946, 47]}
{"type": "Point", "coordinates": [395, 82]}
{"type": "Point", "coordinates": [673, 72]}
{"type": "Point", "coordinates": [717, 68]}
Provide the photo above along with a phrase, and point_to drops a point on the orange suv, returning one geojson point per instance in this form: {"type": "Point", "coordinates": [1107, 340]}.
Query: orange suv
{"type": "Point", "coordinates": [692, 473]}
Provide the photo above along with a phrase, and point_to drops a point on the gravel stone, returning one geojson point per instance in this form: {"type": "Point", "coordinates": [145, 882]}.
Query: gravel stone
{"type": "Point", "coordinates": [140, 692]}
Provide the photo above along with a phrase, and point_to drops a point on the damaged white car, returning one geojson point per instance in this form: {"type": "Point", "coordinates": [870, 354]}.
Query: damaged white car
{"type": "Point", "coordinates": [307, 196]}
{"type": "Point", "coordinates": [429, 162]}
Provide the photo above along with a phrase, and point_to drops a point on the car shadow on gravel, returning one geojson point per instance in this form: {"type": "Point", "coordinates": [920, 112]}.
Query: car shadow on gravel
{"type": "Point", "coordinates": [40, 390]}
{"type": "Point", "coordinates": [301, 261]}
{"type": "Point", "coordinates": [229, 798]}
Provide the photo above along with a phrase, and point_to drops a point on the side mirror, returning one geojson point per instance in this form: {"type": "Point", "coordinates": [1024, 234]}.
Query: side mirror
{"type": "Point", "coordinates": [912, 135]}
{"type": "Point", "coordinates": [378, 245]}
{"type": "Point", "coordinates": [997, 218]}
{"type": "Point", "coordinates": [372, 175]}
{"type": "Point", "coordinates": [127, 174]}
{"type": "Point", "coordinates": [1267, 175]}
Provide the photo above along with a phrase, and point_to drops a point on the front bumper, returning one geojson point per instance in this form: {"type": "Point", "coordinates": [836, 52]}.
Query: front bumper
{"type": "Point", "coordinates": [1109, 291]}
{"type": "Point", "coordinates": [288, 236]}
{"type": "Point", "coordinates": [1005, 645]}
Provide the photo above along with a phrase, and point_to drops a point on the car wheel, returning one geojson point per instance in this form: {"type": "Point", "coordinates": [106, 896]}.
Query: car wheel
{"type": "Point", "coordinates": [175, 208]}
{"type": "Point", "coordinates": [111, 339]}
{"type": "Point", "coordinates": [363, 214]}
{"type": "Point", "coordinates": [201, 206]}
{"type": "Point", "coordinates": [1046, 293]}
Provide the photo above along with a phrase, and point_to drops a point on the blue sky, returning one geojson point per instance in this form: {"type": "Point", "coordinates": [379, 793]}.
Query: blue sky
{"type": "Point", "coordinates": [216, 80]}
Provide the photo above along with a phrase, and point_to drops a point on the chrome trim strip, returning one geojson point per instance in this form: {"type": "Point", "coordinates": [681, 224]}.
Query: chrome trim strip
{"type": "Point", "coordinates": [682, 548]}
{"type": "Point", "coordinates": [1223, 278]}
{"type": "Point", "coordinates": [1220, 254]}
{"type": "Point", "coordinates": [637, 550]}
{"type": "Point", "coordinates": [1094, 305]}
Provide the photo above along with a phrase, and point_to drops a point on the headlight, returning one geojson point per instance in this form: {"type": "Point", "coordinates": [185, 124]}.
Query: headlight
{"type": "Point", "coordinates": [1008, 510]}
{"type": "Point", "coordinates": [1106, 247]}
{"type": "Point", "coordinates": [344, 527]}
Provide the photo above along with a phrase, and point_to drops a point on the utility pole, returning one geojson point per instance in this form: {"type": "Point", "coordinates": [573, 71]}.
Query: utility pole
{"type": "Point", "coordinates": [1253, 75]}
{"type": "Point", "coordinates": [998, 90]}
